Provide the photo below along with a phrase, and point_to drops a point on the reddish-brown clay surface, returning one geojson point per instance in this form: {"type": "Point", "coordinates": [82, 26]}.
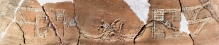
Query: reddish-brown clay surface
{"type": "Point", "coordinates": [108, 22]}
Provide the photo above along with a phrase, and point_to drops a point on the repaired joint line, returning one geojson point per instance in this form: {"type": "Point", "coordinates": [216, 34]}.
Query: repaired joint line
{"type": "Point", "coordinates": [14, 20]}
{"type": "Point", "coordinates": [22, 32]}
{"type": "Point", "coordinates": [192, 39]}
{"type": "Point", "coordinates": [139, 32]}
{"type": "Point", "coordinates": [53, 25]}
